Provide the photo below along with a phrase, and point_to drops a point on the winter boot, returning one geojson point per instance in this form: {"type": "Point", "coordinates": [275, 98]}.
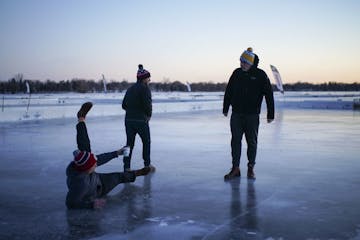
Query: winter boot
{"type": "Point", "coordinates": [250, 172]}
{"type": "Point", "coordinates": [142, 172]}
{"type": "Point", "coordinates": [85, 108]}
{"type": "Point", "coordinates": [151, 168]}
{"type": "Point", "coordinates": [234, 173]}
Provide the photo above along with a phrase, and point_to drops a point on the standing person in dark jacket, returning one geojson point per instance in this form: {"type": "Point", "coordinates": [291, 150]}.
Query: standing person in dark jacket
{"type": "Point", "coordinates": [86, 187]}
{"type": "Point", "coordinates": [138, 106]}
{"type": "Point", "coordinates": [244, 92]}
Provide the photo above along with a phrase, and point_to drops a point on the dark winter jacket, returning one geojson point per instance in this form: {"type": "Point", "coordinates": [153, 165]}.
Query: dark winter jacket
{"type": "Point", "coordinates": [138, 103]}
{"type": "Point", "coordinates": [245, 92]}
{"type": "Point", "coordinates": [83, 187]}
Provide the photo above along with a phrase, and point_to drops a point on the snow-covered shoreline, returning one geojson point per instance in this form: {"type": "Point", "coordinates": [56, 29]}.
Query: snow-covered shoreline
{"type": "Point", "coordinates": [19, 107]}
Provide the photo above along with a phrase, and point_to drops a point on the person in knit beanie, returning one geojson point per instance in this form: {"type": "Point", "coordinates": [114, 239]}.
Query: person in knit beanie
{"type": "Point", "coordinates": [137, 103]}
{"type": "Point", "coordinates": [87, 188]}
{"type": "Point", "coordinates": [247, 87]}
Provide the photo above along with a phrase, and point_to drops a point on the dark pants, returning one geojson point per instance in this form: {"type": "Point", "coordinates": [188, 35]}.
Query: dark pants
{"type": "Point", "coordinates": [244, 124]}
{"type": "Point", "coordinates": [141, 128]}
{"type": "Point", "coordinates": [108, 180]}
{"type": "Point", "coordinates": [111, 180]}
{"type": "Point", "coordinates": [82, 137]}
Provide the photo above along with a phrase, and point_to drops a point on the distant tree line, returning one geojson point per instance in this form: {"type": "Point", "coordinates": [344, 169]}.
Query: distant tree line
{"type": "Point", "coordinates": [18, 85]}
{"type": "Point", "coordinates": [330, 86]}
{"type": "Point", "coordinates": [75, 85]}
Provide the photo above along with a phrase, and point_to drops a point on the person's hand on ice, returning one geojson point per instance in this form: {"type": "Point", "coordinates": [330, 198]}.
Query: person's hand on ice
{"type": "Point", "coordinates": [99, 203]}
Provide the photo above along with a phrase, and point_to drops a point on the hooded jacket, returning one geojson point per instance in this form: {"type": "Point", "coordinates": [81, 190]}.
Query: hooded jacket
{"type": "Point", "coordinates": [245, 92]}
{"type": "Point", "coordinates": [85, 187]}
{"type": "Point", "coordinates": [137, 102]}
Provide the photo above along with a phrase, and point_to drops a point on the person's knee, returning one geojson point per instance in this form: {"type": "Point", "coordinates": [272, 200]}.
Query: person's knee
{"type": "Point", "coordinates": [146, 141]}
{"type": "Point", "coordinates": [252, 145]}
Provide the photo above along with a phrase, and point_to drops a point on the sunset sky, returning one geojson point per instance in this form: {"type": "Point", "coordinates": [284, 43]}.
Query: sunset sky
{"type": "Point", "coordinates": [185, 40]}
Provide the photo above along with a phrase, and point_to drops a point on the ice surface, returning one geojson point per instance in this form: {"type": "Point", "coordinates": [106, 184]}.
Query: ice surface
{"type": "Point", "coordinates": [307, 184]}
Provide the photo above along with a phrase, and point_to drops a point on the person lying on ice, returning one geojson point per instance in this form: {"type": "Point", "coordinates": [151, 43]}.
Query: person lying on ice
{"type": "Point", "coordinates": [86, 188]}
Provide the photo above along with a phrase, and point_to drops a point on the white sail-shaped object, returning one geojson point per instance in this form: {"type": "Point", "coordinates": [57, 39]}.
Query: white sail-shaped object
{"type": "Point", "coordinates": [188, 86]}
{"type": "Point", "coordinates": [104, 82]}
{"type": "Point", "coordinates": [27, 87]}
{"type": "Point", "coordinates": [277, 77]}
{"type": "Point", "coordinates": [26, 115]}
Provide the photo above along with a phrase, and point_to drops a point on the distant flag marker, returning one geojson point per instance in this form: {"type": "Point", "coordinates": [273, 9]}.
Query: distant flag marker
{"type": "Point", "coordinates": [188, 86]}
{"type": "Point", "coordinates": [104, 82]}
{"type": "Point", "coordinates": [27, 87]}
{"type": "Point", "coordinates": [26, 115]}
{"type": "Point", "coordinates": [277, 77]}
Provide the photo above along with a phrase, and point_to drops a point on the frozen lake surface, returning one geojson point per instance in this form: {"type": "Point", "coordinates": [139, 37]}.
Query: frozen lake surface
{"type": "Point", "coordinates": [307, 184]}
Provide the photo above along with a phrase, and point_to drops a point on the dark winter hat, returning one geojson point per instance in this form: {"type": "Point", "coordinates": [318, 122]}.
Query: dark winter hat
{"type": "Point", "coordinates": [248, 56]}
{"type": "Point", "coordinates": [83, 160]}
{"type": "Point", "coordinates": [142, 73]}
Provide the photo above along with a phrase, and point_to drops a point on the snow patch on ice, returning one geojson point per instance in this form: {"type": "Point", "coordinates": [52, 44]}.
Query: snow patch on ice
{"type": "Point", "coordinates": [163, 224]}
{"type": "Point", "coordinates": [181, 231]}
{"type": "Point", "coordinates": [165, 221]}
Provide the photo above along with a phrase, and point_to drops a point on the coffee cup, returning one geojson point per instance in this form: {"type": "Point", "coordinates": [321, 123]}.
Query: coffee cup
{"type": "Point", "coordinates": [126, 151]}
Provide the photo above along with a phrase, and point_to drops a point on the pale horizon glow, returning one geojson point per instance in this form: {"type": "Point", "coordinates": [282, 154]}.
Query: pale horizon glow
{"type": "Point", "coordinates": [187, 41]}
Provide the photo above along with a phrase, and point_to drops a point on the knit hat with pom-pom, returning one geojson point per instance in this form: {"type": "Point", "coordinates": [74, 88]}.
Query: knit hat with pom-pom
{"type": "Point", "coordinates": [248, 56]}
{"type": "Point", "coordinates": [83, 160]}
{"type": "Point", "coordinates": [142, 73]}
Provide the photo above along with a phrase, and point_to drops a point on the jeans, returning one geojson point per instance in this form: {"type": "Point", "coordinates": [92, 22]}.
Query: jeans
{"type": "Point", "coordinates": [247, 124]}
{"type": "Point", "coordinates": [134, 127]}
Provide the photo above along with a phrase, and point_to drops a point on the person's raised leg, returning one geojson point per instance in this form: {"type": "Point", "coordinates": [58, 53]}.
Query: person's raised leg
{"type": "Point", "coordinates": [82, 137]}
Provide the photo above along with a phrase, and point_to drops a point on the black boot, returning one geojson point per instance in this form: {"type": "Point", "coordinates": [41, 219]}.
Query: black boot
{"type": "Point", "coordinates": [234, 173]}
{"type": "Point", "coordinates": [85, 108]}
{"type": "Point", "coordinates": [142, 172]}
